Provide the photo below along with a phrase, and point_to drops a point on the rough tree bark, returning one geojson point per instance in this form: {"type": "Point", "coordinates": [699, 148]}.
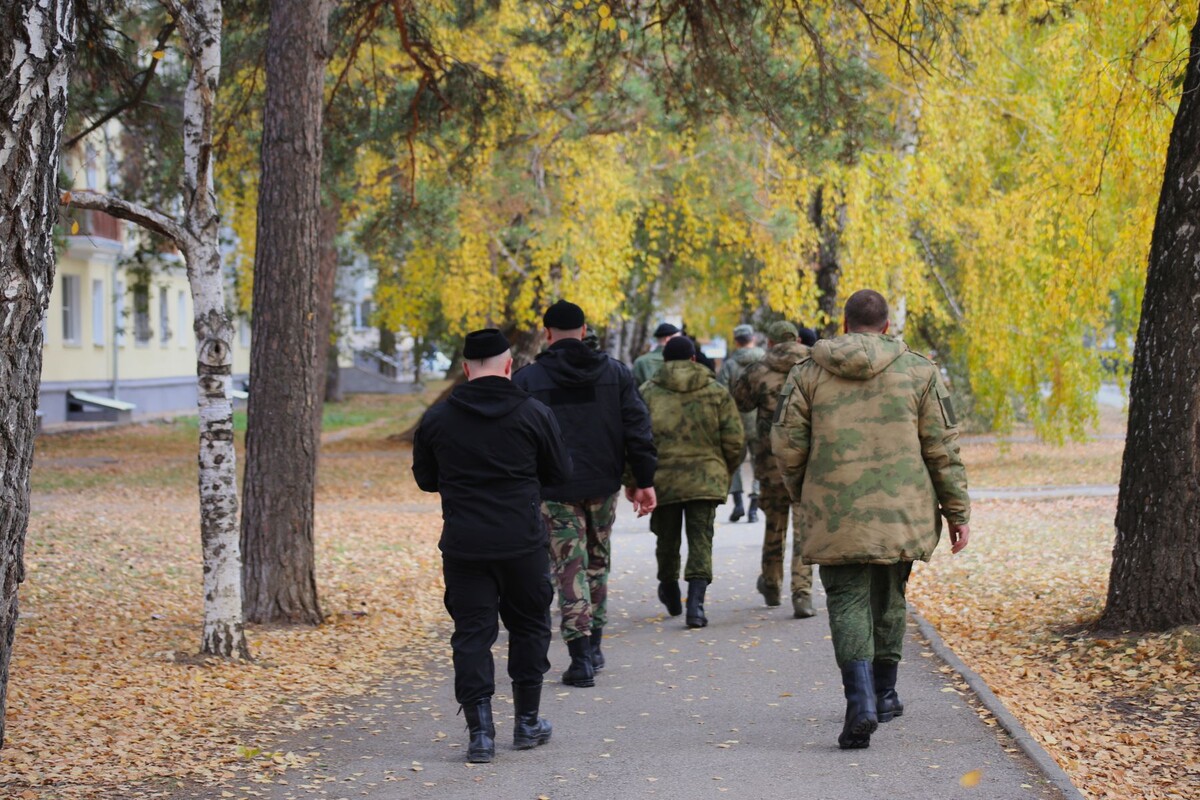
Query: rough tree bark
{"type": "Point", "coordinates": [1155, 578]}
{"type": "Point", "coordinates": [279, 578]}
{"type": "Point", "coordinates": [327, 355]}
{"type": "Point", "coordinates": [829, 266]}
{"type": "Point", "coordinates": [196, 236]}
{"type": "Point", "coordinates": [37, 43]}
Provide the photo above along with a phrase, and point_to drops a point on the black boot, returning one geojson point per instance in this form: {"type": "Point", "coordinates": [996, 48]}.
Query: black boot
{"type": "Point", "coordinates": [861, 716]}
{"type": "Point", "coordinates": [529, 730]}
{"type": "Point", "coordinates": [482, 747]}
{"type": "Point", "coordinates": [752, 514]}
{"type": "Point", "coordinates": [580, 673]}
{"type": "Point", "coordinates": [597, 656]}
{"type": "Point", "coordinates": [668, 594]}
{"type": "Point", "coordinates": [695, 604]}
{"type": "Point", "coordinates": [887, 702]}
{"type": "Point", "coordinates": [738, 511]}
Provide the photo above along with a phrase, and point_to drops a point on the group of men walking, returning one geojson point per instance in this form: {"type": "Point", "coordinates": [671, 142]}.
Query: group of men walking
{"type": "Point", "coordinates": [856, 438]}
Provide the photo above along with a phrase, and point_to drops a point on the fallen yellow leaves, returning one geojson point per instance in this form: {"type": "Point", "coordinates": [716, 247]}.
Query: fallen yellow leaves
{"type": "Point", "coordinates": [105, 687]}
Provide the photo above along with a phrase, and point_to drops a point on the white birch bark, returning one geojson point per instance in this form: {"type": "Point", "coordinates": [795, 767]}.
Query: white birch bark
{"type": "Point", "coordinates": [37, 42]}
{"type": "Point", "coordinates": [196, 235]}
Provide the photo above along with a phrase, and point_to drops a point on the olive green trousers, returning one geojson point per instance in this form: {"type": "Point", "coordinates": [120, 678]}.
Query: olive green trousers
{"type": "Point", "coordinates": [867, 610]}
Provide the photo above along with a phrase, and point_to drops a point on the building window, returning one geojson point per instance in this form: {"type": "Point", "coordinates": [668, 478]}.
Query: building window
{"type": "Point", "coordinates": [119, 312]}
{"type": "Point", "coordinates": [181, 308]}
{"type": "Point", "coordinates": [362, 315]}
{"type": "Point", "coordinates": [98, 304]}
{"type": "Point", "coordinates": [142, 333]}
{"type": "Point", "coordinates": [164, 316]}
{"type": "Point", "coordinates": [70, 308]}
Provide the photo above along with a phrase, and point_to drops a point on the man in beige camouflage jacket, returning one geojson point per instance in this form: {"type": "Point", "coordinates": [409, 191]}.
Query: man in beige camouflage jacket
{"type": "Point", "coordinates": [867, 443]}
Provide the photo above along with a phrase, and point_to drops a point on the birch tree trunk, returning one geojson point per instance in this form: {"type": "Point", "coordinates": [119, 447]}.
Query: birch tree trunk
{"type": "Point", "coordinates": [286, 389]}
{"type": "Point", "coordinates": [196, 236]}
{"type": "Point", "coordinates": [37, 42]}
{"type": "Point", "coordinates": [1155, 579]}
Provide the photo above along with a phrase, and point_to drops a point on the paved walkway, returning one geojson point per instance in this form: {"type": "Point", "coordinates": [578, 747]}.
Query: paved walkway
{"type": "Point", "coordinates": [749, 707]}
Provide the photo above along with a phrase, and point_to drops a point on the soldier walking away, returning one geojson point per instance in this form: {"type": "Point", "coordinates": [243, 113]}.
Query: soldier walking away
{"type": "Point", "coordinates": [698, 433]}
{"type": "Point", "coordinates": [606, 426]}
{"type": "Point", "coordinates": [647, 365]}
{"type": "Point", "coordinates": [756, 393]}
{"type": "Point", "coordinates": [731, 369]}
{"type": "Point", "coordinates": [867, 444]}
{"type": "Point", "coordinates": [488, 449]}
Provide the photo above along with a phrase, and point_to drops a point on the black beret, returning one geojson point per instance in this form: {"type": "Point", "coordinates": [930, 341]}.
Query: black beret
{"type": "Point", "coordinates": [484, 344]}
{"type": "Point", "coordinates": [563, 316]}
{"type": "Point", "coordinates": [665, 329]}
{"type": "Point", "coordinates": [679, 349]}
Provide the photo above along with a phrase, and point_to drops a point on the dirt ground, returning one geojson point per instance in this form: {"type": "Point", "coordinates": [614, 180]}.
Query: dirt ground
{"type": "Point", "coordinates": [106, 698]}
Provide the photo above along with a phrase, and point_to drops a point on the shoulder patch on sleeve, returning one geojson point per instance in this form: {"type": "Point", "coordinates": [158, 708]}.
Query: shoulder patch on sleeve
{"type": "Point", "coordinates": [947, 410]}
{"type": "Point", "coordinates": [784, 396]}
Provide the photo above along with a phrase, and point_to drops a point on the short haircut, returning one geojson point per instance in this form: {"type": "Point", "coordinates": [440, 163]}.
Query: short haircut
{"type": "Point", "coordinates": [489, 364]}
{"type": "Point", "coordinates": [743, 340]}
{"type": "Point", "coordinates": [866, 310]}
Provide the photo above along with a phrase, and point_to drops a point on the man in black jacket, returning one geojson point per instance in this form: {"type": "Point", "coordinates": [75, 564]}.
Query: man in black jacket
{"type": "Point", "coordinates": [606, 425]}
{"type": "Point", "coordinates": [488, 450]}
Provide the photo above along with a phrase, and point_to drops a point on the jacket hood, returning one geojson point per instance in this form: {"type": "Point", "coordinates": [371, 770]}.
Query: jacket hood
{"type": "Point", "coordinates": [684, 376]}
{"type": "Point", "coordinates": [858, 356]}
{"type": "Point", "coordinates": [747, 355]}
{"type": "Point", "coordinates": [785, 355]}
{"type": "Point", "coordinates": [570, 362]}
{"type": "Point", "coordinates": [491, 397]}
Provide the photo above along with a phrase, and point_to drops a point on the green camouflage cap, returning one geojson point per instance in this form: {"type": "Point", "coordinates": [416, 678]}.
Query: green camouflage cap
{"type": "Point", "coordinates": [743, 330]}
{"type": "Point", "coordinates": [782, 331]}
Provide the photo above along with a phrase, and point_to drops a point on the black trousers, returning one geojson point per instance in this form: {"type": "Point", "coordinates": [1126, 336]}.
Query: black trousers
{"type": "Point", "coordinates": [520, 591]}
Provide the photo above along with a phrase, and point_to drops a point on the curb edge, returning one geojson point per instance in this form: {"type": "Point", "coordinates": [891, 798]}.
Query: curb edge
{"type": "Point", "coordinates": [1030, 746]}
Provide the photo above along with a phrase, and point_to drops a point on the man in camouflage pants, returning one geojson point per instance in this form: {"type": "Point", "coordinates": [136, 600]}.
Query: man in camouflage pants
{"type": "Point", "coordinates": [606, 426]}
{"type": "Point", "coordinates": [867, 444]}
{"type": "Point", "coordinates": [756, 392]}
{"type": "Point", "coordinates": [737, 362]}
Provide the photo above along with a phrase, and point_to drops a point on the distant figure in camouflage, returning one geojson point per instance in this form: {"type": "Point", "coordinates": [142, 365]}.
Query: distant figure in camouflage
{"type": "Point", "coordinates": [648, 364]}
{"type": "Point", "coordinates": [867, 444]}
{"type": "Point", "coordinates": [757, 394]}
{"type": "Point", "coordinates": [732, 368]}
{"type": "Point", "coordinates": [605, 424]}
{"type": "Point", "coordinates": [698, 434]}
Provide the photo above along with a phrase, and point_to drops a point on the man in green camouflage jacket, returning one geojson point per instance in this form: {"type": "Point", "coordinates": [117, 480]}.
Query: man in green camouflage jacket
{"type": "Point", "coordinates": [739, 360]}
{"type": "Point", "coordinates": [867, 443]}
{"type": "Point", "coordinates": [756, 393]}
{"type": "Point", "coordinates": [698, 435]}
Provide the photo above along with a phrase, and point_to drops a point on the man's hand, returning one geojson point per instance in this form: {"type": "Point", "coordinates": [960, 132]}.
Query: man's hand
{"type": "Point", "coordinates": [644, 500]}
{"type": "Point", "coordinates": [959, 536]}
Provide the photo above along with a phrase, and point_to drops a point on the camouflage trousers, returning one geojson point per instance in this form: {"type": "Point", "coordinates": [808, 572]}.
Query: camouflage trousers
{"type": "Point", "coordinates": [735, 484]}
{"type": "Point", "coordinates": [867, 610]}
{"type": "Point", "coordinates": [775, 503]}
{"type": "Point", "coordinates": [580, 553]}
{"type": "Point", "coordinates": [667, 523]}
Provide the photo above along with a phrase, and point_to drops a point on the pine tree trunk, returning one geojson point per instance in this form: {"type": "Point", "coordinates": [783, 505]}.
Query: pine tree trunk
{"type": "Point", "coordinates": [37, 43]}
{"type": "Point", "coordinates": [223, 634]}
{"type": "Point", "coordinates": [1155, 579]}
{"type": "Point", "coordinates": [829, 266]}
{"type": "Point", "coordinates": [286, 390]}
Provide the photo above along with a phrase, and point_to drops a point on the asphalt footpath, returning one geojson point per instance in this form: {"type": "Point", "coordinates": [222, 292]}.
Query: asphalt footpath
{"type": "Point", "coordinates": [749, 707]}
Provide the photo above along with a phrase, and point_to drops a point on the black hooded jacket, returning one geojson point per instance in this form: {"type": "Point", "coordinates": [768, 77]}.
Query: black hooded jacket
{"type": "Point", "coordinates": [602, 417]}
{"type": "Point", "coordinates": [488, 449]}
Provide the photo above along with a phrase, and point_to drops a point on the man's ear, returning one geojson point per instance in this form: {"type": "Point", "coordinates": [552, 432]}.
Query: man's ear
{"type": "Point", "coordinates": [845, 325]}
{"type": "Point", "coordinates": [466, 369]}
{"type": "Point", "coordinates": [549, 335]}
{"type": "Point", "coordinates": [508, 367]}
{"type": "Point", "coordinates": [886, 325]}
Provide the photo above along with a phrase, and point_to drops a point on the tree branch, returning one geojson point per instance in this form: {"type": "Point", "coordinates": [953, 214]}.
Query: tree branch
{"type": "Point", "coordinates": [138, 95]}
{"type": "Point", "coordinates": [131, 212]}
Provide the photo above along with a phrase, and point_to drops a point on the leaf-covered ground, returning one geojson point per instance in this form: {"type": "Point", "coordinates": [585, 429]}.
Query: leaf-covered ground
{"type": "Point", "coordinates": [107, 700]}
